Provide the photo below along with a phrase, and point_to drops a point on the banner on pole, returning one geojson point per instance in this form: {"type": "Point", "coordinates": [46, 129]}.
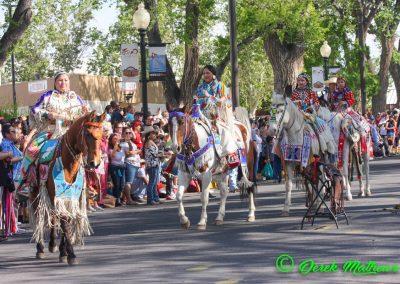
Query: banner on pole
{"type": "Point", "coordinates": [318, 79]}
{"type": "Point", "coordinates": [130, 62]}
{"type": "Point", "coordinates": [37, 86]}
{"type": "Point", "coordinates": [157, 63]}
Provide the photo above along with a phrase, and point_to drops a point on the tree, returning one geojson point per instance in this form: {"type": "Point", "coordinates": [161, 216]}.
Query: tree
{"type": "Point", "coordinates": [57, 39]}
{"type": "Point", "coordinates": [387, 22]}
{"type": "Point", "coordinates": [18, 24]}
{"type": "Point", "coordinates": [394, 69]}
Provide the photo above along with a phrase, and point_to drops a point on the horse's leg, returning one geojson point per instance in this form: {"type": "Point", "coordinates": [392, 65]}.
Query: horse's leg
{"type": "Point", "coordinates": [40, 249]}
{"type": "Point", "coordinates": [357, 158]}
{"type": "Point", "coordinates": [221, 180]}
{"type": "Point", "coordinates": [366, 173]}
{"type": "Point", "coordinates": [66, 228]}
{"type": "Point", "coordinates": [346, 182]}
{"type": "Point", "coordinates": [183, 180]}
{"type": "Point", "coordinates": [289, 186]}
{"type": "Point", "coordinates": [205, 183]}
{"type": "Point", "coordinates": [53, 235]}
{"type": "Point", "coordinates": [63, 249]}
{"type": "Point", "coordinates": [252, 206]}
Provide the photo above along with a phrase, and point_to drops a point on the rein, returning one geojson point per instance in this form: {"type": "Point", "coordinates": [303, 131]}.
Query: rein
{"type": "Point", "coordinates": [70, 148]}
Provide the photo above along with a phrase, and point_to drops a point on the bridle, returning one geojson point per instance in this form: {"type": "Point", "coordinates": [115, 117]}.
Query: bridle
{"type": "Point", "coordinates": [188, 133]}
{"type": "Point", "coordinates": [75, 155]}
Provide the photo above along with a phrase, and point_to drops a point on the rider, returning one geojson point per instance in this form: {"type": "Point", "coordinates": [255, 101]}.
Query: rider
{"type": "Point", "coordinates": [308, 103]}
{"type": "Point", "coordinates": [210, 95]}
{"type": "Point", "coordinates": [342, 97]}
{"type": "Point", "coordinates": [305, 98]}
{"type": "Point", "coordinates": [53, 113]}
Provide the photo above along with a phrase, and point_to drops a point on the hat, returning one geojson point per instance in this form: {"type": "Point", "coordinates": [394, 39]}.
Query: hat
{"type": "Point", "coordinates": [148, 129]}
{"type": "Point", "coordinates": [332, 80]}
{"type": "Point", "coordinates": [136, 123]}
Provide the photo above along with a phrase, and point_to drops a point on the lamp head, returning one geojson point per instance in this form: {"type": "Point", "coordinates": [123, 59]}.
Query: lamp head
{"type": "Point", "coordinates": [141, 17]}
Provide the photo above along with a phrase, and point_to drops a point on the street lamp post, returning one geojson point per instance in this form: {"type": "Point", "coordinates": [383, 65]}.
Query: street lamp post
{"type": "Point", "coordinates": [141, 20]}
{"type": "Point", "coordinates": [325, 51]}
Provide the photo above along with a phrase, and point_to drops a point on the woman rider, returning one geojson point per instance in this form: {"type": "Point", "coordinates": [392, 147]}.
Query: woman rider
{"type": "Point", "coordinates": [53, 113]}
{"type": "Point", "coordinates": [342, 97]}
{"type": "Point", "coordinates": [210, 92]}
{"type": "Point", "coordinates": [308, 103]}
{"type": "Point", "coordinates": [305, 98]}
{"type": "Point", "coordinates": [210, 95]}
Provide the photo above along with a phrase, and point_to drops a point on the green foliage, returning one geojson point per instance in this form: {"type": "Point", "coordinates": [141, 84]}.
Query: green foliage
{"type": "Point", "coordinates": [57, 39]}
{"type": "Point", "coordinates": [255, 77]}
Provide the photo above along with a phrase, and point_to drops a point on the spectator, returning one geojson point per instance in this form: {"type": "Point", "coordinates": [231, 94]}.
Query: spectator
{"type": "Point", "coordinates": [136, 136]}
{"type": "Point", "coordinates": [138, 116]}
{"type": "Point", "coordinates": [130, 113]}
{"type": "Point", "coordinates": [118, 129]}
{"type": "Point", "coordinates": [257, 143]}
{"type": "Point", "coordinates": [139, 184]}
{"type": "Point", "coordinates": [132, 162]}
{"type": "Point", "coordinates": [151, 155]}
{"type": "Point", "coordinates": [149, 121]}
{"type": "Point", "coordinates": [103, 168]}
{"type": "Point", "coordinates": [108, 110]}
{"type": "Point", "coordinates": [116, 115]}
{"type": "Point", "coordinates": [116, 170]}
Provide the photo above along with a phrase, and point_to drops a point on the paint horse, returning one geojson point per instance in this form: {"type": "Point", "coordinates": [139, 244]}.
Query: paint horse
{"type": "Point", "coordinates": [297, 142]}
{"type": "Point", "coordinates": [193, 142]}
{"type": "Point", "coordinates": [352, 132]}
{"type": "Point", "coordinates": [57, 198]}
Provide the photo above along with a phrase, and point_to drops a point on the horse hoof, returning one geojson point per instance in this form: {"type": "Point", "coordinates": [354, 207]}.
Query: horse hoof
{"type": "Point", "coordinates": [251, 218]}
{"type": "Point", "coordinates": [201, 227]}
{"type": "Point", "coordinates": [361, 194]}
{"type": "Point", "coordinates": [63, 259]}
{"type": "Point", "coordinates": [40, 255]}
{"type": "Point", "coordinates": [53, 249]}
{"type": "Point", "coordinates": [349, 197]}
{"type": "Point", "coordinates": [73, 261]}
{"type": "Point", "coordinates": [285, 214]}
{"type": "Point", "coordinates": [185, 225]}
{"type": "Point", "coordinates": [369, 194]}
{"type": "Point", "coordinates": [219, 222]}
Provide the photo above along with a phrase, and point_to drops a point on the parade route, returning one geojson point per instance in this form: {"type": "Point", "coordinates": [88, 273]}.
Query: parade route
{"type": "Point", "coordinates": [144, 244]}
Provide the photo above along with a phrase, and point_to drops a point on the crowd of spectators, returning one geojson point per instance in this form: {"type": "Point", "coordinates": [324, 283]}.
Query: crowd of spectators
{"type": "Point", "coordinates": [137, 165]}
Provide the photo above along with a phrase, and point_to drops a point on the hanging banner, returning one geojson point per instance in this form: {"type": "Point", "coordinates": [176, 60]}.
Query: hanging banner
{"type": "Point", "coordinates": [130, 62]}
{"type": "Point", "coordinates": [157, 63]}
{"type": "Point", "coordinates": [37, 86]}
{"type": "Point", "coordinates": [318, 79]}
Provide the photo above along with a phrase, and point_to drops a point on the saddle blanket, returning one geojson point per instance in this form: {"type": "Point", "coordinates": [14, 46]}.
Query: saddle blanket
{"type": "Point", "coordinates": [47, 151]}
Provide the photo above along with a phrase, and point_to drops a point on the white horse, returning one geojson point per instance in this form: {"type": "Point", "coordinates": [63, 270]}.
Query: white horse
{"type": "Point", "coordinates": [196, 157]}
{"type": "Point", "coordinates": [337, 121]}
{"type": "Point", "coordinates": [291, 126]}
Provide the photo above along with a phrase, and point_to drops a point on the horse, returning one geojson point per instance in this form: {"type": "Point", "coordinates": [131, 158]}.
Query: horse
{"type": "Point", "coordinates": [55, 205]}
{"type": "Point", "coordinates": [339, 122]}
{"type": "Point", "coordinates": [193, 143]}
{"type": "Point", "coordinates": [291, 126]}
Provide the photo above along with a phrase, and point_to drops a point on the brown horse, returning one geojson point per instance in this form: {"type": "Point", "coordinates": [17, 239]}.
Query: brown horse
{"type": "Point", "coordinates": [49, 208]}
{"type": "Point", "coordinates": [197, 158]}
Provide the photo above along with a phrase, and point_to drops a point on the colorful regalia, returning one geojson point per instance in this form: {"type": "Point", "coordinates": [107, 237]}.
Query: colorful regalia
{"type": "Point", "coordinates": [345, 95]}
{"type": "Point", "coordinates": [64, 107]}
{"type": "Point", "coordinates": [217, 92]}
{"type": "Point", "coordinates": [306, 97]}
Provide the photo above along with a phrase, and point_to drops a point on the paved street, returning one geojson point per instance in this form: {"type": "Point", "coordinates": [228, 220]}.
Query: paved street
{"type": "Point", "coordinates": [140, 244]}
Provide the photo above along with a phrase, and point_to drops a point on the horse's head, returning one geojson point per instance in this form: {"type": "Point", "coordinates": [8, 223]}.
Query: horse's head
{"type": "Point", "coordinates": [177, 124]}
{"type": "Point", "coordinates": [277, 109]}
{"type": "Point", "coordinates": [84, 136]}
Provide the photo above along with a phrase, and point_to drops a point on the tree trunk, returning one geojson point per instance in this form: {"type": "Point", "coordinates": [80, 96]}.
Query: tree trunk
{"type": "Point", "coordinates": [19, 23]}
{"type": "Point", "coordinates": [387, 44]}
{"type": "Point", "coordinates": [287, 61]}
{"type": "Point", "coordinates": [394, 69]}
{"type": "Point", "coordinates": [191, 71]}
